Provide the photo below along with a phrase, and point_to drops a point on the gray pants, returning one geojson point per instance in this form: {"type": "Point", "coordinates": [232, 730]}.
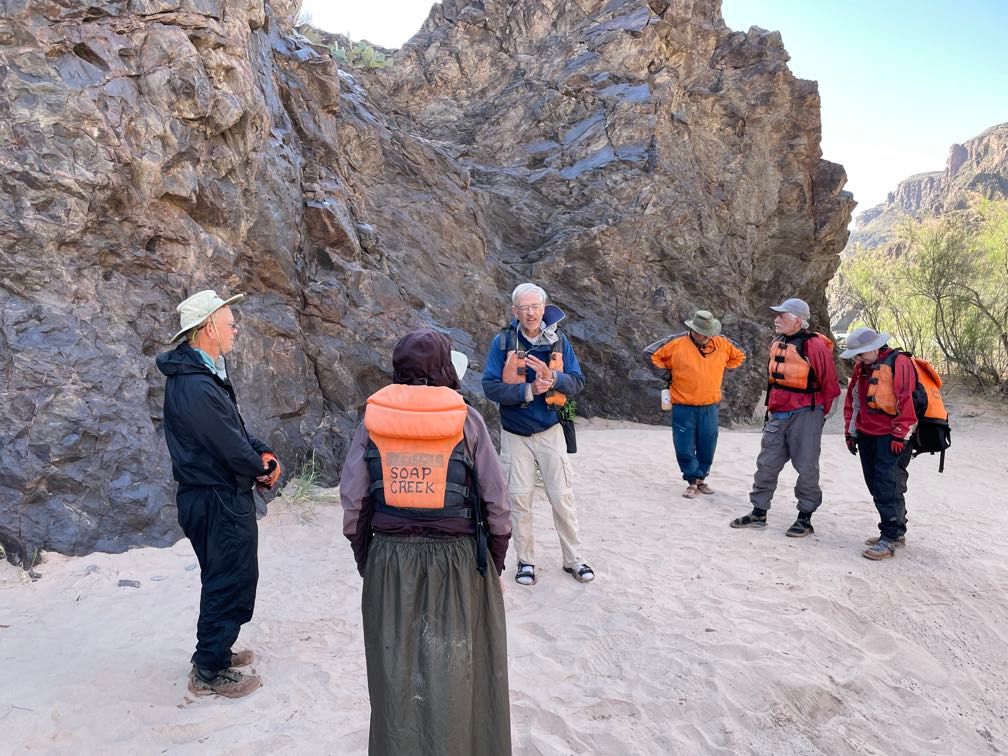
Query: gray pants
{"type": "Point", "coordinates": [796, 438]}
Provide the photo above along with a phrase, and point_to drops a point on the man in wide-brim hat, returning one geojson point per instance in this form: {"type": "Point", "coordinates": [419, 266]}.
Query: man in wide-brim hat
{"type": "Point", "coordinates": [879, 419]}
{"type": "Point", "coordinates": [216, 462]}
{"type": "Point", "coordinates": [695, 362]}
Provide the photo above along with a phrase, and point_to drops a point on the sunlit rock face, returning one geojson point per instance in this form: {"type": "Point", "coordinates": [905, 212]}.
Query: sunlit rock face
{"type": "Point", "coordinates": [639, 160]}
{"type": "Point", "coordinates": [976, 168]}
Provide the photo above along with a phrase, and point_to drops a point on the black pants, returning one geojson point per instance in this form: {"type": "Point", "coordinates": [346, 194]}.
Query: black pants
{"type": "Point", "coordinates": [886, 476]}
{"type": "Point", "coordinates": [221, 525]}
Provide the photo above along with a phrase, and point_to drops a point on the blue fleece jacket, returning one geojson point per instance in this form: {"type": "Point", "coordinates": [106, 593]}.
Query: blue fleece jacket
{"type": "Point", "coordinates": [517, 416]}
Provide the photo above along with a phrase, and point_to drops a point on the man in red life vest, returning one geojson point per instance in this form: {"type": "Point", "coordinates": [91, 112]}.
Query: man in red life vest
{"type": "Point", "coordinates": [879, 418]}
{"type": "Point", "coordinates": [801, 388]}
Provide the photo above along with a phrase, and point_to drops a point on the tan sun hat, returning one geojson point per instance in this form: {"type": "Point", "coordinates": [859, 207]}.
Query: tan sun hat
{"type": "Point", "coordinates": [704, 323]}
{"type": "Point", "coordinates": [200, 306]}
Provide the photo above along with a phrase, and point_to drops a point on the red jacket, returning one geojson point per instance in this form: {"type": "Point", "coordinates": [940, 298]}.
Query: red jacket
{"type": "Point", "coordinates": [820, 357]}
{"type": "Point", "coordinates": [858, 416]}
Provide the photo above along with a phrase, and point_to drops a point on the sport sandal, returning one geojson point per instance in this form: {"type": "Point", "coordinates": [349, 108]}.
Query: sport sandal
{"type": "Point", "coordinates": [703, 488]}
{"type": "Point", "coordinates": [526, 574]}
{"type": "Point", "coordinates": [749, 521]}
{"type": "Point", "coordinates": [581, 572]}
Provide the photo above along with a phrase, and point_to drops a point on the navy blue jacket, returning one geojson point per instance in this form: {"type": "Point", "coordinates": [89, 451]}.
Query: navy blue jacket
{"type": "Point", "coordinates": [517, 416]}
{"type": "Point", "coordinates": [206, 436]}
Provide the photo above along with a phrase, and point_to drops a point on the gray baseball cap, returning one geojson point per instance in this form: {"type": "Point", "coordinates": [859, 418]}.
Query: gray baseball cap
{"type": "Point", "coordinates": [795, 306]}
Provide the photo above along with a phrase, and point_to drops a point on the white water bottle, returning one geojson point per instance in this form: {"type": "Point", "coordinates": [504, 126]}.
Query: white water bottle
{"type": "Point", "coordinates": [666, 400]}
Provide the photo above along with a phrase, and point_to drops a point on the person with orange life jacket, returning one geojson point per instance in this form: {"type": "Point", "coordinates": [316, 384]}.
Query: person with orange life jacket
{"type": "Point", "coordinates": [427, 515]}
{"type": "Point", "coordinates": [696, 362]}
{"type": "Point", "coordinates": [530, 372]}
{"type": "Point", "coordinates": [801, 388]}
{"type": "Point", "coordinates": [879, 419]}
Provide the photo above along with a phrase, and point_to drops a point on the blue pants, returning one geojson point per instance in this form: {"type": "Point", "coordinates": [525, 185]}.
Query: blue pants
{"type": "Point", "coordinates": [886, 476]}
{"type": "Point", "coordinates": [694, 435]}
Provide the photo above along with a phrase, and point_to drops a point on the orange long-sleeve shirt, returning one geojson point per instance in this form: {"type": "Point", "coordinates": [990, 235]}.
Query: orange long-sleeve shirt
{"type": "Point", "coordinates": [696, 374]}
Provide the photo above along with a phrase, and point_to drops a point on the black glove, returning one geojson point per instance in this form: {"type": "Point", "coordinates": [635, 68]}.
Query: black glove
{"type": "Point", "coordinates": [852, 444]}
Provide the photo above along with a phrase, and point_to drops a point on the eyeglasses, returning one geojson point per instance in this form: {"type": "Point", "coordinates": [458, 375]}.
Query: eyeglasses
{"type": "Point", "coordinates": [232, 325]}
{"type": "Point", "coordinates": [529, 308]}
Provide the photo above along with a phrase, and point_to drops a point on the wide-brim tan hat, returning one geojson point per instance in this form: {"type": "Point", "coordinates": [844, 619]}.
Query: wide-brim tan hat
{"type": "Point", "coordinates": [200, 306]}
{"type": "Point", "coordinates": [704, 323]}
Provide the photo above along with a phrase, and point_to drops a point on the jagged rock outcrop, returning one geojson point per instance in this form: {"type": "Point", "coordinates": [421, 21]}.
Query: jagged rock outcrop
{"type": "Point", "coordinates": [978, 167]}
{"type": "Point", "coordinates": [640, 159]}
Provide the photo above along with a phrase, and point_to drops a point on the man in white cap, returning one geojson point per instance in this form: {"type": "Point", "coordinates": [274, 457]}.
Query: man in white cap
{"type": "Point", "coordinates": [801, 388]}
{"type": "Point", "coordinates": [879, 418]}
{"type": "Point", "coordinates": [695, 362]}
{"type": "Point", "coordinates": [216, 462]}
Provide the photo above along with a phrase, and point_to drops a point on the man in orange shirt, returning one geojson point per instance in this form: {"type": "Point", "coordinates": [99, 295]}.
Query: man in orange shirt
{"type": "Point", "coordinates": [696, 362]}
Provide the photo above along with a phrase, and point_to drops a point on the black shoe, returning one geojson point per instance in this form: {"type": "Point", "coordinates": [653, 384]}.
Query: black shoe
{"type": "Point", "coordinates": [801, 528]}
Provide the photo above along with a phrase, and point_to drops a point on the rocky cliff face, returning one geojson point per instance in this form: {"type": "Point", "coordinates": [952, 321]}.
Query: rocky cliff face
{"type": "Point", "coordinates": [978, 167]}
{"type": "Point", "coordinates": [638, 159]}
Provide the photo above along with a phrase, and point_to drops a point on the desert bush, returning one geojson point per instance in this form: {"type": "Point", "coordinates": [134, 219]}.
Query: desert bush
{"type": "Point", "coordinates": [360, 55]}
{"type": "Point", "coordinates": [945, 297]}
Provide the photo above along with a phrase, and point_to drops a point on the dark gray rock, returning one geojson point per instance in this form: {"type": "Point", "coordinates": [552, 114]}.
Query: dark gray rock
{"type": "Point", "coordinates": [638, 159]}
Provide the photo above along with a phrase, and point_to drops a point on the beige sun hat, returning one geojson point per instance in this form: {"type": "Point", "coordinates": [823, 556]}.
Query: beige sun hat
{"type": "Point", "coordinates": [704, 323]}
{"type": "Point", "coordinates": [200, 306]}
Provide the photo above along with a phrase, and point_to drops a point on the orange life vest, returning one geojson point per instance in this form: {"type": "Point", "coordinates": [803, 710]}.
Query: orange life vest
{"type": "Point", "coordinates": [928, 402]}
{"type": "Point", "coordinates": [787, 367]}
{"type": "Point", "coordinates": [417, 460]}
{"type": "Point", "coordinates": [514, 364]}
{"type": "Point", "coordinates": [881, 391]}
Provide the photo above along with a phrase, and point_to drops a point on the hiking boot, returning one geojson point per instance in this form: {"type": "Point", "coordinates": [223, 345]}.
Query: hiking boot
{"type": "Point", "coordinates": [883, 548]}
{"type": "Point", "coordinates": [900, 542]}
{"type": "Point", "coordinates": [691, 492]}
{"type": "Point", "coordinates": [229, 683]}
{"type": "Point", "coordinates": [801, 528]}
{"type": "Point", "coordinates": [749, 521]}
{"type": "Point", "coordinates": [242, 658]}
{"type": "Point", "coordinates": [703, 487]}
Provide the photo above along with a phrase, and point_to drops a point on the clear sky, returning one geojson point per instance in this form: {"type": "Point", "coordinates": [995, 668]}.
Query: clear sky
{"type": "Point", "coordinates": [900, 80]}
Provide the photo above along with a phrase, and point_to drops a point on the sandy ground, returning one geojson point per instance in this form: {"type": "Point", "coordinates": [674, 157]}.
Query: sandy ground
{"type": "Point", "coordinates": [694, 638]}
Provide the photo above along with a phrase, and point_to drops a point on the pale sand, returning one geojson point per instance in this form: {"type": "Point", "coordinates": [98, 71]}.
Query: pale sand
{"type": "Point", "coordinates": [694, 638]}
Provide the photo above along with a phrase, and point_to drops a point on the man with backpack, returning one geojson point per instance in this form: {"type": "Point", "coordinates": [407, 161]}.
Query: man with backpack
{"type": "Point", "coordinates": [879, 420]}
{"type": "Point", "coordinates": [530, 372]}
{"type": "Point", "coordinates": [801, 388]}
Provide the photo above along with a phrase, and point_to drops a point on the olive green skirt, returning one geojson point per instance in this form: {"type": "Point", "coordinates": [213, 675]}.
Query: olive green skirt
{"type": "Point", "coordinates": [435, 641]}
